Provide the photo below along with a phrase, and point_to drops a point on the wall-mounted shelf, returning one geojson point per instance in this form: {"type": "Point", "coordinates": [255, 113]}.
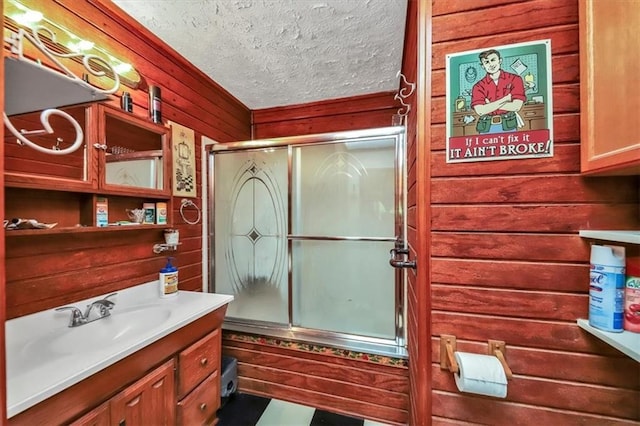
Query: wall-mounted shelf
{"type": "Point", "coordinates": [80, 230]}
{"type": "Point", "coordinates": [631, 237]}
{"type": "Point", "coordinates": [31, 87]}
{"type": "Point", "coordinates": [626, 342]}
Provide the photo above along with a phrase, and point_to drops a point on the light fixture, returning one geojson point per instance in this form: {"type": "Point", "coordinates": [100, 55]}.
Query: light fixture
{"type": "Point", "coordinates": [65, 41]}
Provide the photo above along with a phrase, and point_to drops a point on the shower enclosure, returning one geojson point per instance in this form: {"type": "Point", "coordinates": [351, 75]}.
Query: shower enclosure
{"type": "Point", "coordinates": [301, 234]}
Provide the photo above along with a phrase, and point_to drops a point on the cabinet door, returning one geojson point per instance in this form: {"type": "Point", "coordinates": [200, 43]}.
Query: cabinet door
{"type": "Point", "coordinates": [136, 157]}
{"type": "Point", "coordinates": [26, 167]}
{"type": "Point", "coordinates": [149, 401]}
{"type": "Point", "coordinates": [610, 106]}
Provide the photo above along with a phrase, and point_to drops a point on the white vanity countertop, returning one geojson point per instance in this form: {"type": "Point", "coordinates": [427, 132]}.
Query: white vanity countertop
{"type": "Point", "coordinates": [45, 356]}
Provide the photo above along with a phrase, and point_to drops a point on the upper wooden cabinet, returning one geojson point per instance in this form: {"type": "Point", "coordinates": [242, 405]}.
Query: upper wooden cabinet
{"type": "Point", "coordinates": [122, 154]}
{"type": "Point", "coordinates": [610, 105]}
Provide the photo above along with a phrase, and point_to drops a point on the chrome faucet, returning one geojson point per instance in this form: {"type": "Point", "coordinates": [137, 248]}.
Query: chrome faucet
{"type": "Point", "coordinates": [103, 306]}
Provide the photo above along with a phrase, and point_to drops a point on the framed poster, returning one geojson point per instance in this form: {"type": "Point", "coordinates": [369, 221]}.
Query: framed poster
{"type": "Point", "coordinates": [499, 103]}
{"type": "Point", "coordinates": [184, 161]}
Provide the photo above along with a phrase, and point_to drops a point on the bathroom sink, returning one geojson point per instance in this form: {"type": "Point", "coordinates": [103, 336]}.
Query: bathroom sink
{"type": "Point", "coordinates": [116, 328]}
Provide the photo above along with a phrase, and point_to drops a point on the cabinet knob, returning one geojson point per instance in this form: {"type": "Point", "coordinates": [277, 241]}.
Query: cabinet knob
{"type": "Point", "coordinates": [203, 362]}
{"type": "Point", "coordinates": [203, 406]}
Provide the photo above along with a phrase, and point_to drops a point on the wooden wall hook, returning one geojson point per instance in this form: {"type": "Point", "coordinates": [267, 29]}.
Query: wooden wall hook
{"type": "Point", "coordinates": [498, 349]}
{"type": "Point", "coordinates": [447, 348]}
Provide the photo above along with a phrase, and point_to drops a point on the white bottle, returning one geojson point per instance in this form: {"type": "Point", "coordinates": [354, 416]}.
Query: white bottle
{"type": "Point", "coordinates": [168, 280]}
{"type": "Point", "coordinates": [606, 288]}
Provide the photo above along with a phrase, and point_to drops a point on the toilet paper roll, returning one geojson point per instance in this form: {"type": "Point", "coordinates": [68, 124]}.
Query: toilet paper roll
{"type": "Point", "coordinates": [480, 374]}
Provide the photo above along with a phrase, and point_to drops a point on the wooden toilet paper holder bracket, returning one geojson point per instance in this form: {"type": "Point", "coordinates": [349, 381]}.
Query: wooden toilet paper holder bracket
{"type": "Point", "coordinates": [448, 361]}
{"type": "Point", "coordinates": [498, 349]}
{"type": "Point", "coordinates": [447, 348]}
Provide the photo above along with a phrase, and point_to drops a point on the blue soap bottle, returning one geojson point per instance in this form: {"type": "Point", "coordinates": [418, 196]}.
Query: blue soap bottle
{"type": "Point", "coordinates": [168, 279]}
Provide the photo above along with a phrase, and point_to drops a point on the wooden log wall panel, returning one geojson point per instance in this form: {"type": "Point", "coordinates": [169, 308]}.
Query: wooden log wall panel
{"type": "Point", "coordinates": [50, 271]}
{"type": "Point", "coordinates": [348, 386]}
{"type": "Point", "coordinates": [507, 262]}
{"type": "Point", "coordinates": [3, 305]}
{"type": "Point", "coordinates": [359, 112]}
{"type": "Point", "coordinates": [415, 66]}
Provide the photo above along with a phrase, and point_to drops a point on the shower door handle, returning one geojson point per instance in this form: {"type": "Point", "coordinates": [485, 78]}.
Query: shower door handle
{"type": "Point", "coordinates": [403, 262]}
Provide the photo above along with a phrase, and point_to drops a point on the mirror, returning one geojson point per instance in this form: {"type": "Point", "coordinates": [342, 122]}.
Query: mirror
{"type": "Point", "coordinates": [21, 160]}
{"type": "Point", "coordinates": [134, 154]}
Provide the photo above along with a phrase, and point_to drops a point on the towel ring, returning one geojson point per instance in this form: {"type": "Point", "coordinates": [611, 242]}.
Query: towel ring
{"type": "Point", "coordinates": [185, 203]}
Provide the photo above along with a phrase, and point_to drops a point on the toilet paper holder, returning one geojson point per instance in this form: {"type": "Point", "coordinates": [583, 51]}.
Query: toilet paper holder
{"type": "Point", "coordinates": [496, 348]}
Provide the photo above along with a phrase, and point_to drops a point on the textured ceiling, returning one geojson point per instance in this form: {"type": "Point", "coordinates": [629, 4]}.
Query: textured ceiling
{"type": "Point", "coordinates": [271, 53]}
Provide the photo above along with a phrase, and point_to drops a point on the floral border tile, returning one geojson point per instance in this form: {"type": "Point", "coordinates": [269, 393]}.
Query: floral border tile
{"type": "Point", "coordinates": [326, 350]}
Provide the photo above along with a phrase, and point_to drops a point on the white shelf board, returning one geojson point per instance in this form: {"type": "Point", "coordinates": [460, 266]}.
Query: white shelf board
{"type": "Point", "coordinates": [31, 87]}
{"type": "Point", "coordinates": [631, 237]}
{"type": "Point", "coordinates": [626, 342]}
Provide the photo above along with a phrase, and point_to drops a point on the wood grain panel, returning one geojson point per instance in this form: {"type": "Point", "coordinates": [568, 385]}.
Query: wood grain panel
{"type": "Point", "coordinates": [563, 336]}
{"type": "Point", "coordinates": [332, 107]}
{"type": "Point", "coordinates": [326, 124]}
{"type": "Point", "coordinates": [531, 247]}
{"type": "Point", "coordinates": [544, 305]}
{"type": "Point", "coordinates": [541, 276]}
{"type": "Point", "coordinates": [577, 397]}
{"type": "Point", "coordinates": [349, 386]}
{"type": "Point", "coordinates": [326, 401]}
{"type": "Point", "coordinates": [533, 189]}
{"type": "Point", "coordinates": [476, 410]}
{"type": "Point", "coordinates": [520, 17]}
{"type": "Point", "coordinates": [530, 218]}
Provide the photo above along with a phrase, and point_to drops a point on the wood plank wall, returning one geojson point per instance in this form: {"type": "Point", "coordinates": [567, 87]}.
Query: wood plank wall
{"type": "Point", "coordinates": [415, 66]}
{"type": "Point", "coordinates": [507, 262]}
{"type": "Point", "coordinates": [45, 272]}
{"type": "Point", "coordinates": [3, 308]}
{"type": "Point", "coordinates": [359, 112]}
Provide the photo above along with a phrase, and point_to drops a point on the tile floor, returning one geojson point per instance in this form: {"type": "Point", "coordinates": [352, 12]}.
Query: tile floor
{"type": "Point", "coordinates": [242, 409]}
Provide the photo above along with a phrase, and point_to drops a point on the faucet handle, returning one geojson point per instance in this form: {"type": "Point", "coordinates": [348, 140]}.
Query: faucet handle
{"type": "Point", "coordinates": [106, 302]}
{"type": "Point", "coordinates": [76, 315]}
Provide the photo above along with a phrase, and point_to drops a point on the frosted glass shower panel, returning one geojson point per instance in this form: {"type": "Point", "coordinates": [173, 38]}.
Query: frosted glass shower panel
{"type": "Point", "coordinates": [250, 259]}
{"type": "Point", "coordinates": [344, 287]}
{"type": "Point", "coordinates": [359, 174]}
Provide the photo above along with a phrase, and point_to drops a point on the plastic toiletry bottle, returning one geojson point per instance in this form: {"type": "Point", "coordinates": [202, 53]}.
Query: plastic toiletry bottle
{"type": "Point", "coordinates": [632, 296]}
{"type": "Point", "coordinates": [168, 280]}
{"type": "Point", "coordinates": [606, 288]}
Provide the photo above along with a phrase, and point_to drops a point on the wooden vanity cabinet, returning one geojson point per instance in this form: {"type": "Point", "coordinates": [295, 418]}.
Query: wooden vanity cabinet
{"type": "Point", "coordinates": [609, 106]}
{"type": "Point", "coordinates": [175, 380]}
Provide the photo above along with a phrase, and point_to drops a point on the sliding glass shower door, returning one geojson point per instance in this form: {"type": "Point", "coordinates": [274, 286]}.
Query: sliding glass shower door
{"type": "Point", "coordinates": [301, 234]}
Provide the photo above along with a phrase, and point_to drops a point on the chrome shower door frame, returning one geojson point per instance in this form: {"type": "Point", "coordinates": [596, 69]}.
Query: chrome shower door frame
{"type": "Point", "coordinates": [395, 347]}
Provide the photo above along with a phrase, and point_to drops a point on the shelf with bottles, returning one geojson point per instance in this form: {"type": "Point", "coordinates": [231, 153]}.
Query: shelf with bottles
{"type": "Point", "coordinates": [77, 212]}
{"type": "Point", "coordinates": [626, 341]}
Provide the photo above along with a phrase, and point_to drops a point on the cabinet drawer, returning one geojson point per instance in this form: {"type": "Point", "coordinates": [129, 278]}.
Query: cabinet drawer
{"type": "Point", "coordinates": [200, 406]}
{"type": "Point", "coordinates": [197, 362]}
